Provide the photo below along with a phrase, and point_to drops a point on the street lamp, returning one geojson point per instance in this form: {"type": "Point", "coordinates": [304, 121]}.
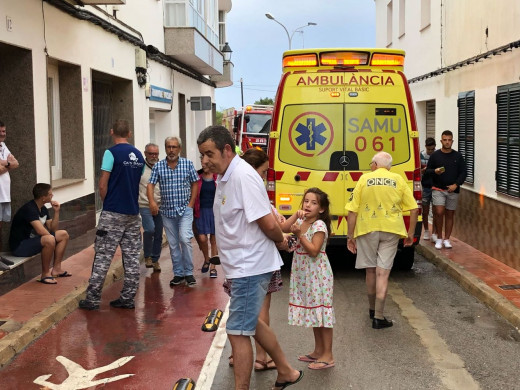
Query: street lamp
{"type": "Point", "coordinates": [289, 37]}
{"type": "Point", "coordinates": [226, 52]}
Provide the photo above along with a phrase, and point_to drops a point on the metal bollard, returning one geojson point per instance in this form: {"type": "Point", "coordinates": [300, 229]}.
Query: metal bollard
{"type": "Point", "coordinates": [212, 321]}
{"type": "Point", "coordinates": [184, 384]}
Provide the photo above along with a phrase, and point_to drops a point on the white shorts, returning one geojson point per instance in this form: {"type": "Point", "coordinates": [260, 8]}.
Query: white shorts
{"type": "Point", "coordinates": [5, 211]}
{"type": "Point", "coordinates": [376, 249]}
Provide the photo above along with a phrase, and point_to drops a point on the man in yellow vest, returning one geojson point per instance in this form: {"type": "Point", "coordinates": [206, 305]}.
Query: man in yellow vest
{"type": "Point", "coordinates": [375, 225]}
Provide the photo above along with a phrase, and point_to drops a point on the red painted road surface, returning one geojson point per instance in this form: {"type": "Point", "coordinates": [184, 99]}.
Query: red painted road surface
{"type": "Point", "coordinates": [163, 333]}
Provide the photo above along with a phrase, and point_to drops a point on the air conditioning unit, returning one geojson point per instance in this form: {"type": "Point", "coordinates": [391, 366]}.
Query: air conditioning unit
{"type": "Point", "coordinates": [103, 2]}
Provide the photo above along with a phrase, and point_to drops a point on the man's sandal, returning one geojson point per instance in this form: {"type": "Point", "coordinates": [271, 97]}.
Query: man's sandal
{"type": "Point", "coordinates": [46, 279]}
{"type": "Point", "coordinates": [265, 366]}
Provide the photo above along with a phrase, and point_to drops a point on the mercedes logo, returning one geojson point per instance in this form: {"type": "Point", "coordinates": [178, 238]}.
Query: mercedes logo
{"type": "Point", "coordinates": [344, 161]}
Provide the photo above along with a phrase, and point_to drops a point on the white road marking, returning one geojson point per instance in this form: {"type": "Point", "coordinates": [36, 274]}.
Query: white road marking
{"type": "Point", "coordinates": [209, 369]}
{"type": "Point", "coordinates": [451, 367]}
{"type": "Point", "coordinates": [79, 378]}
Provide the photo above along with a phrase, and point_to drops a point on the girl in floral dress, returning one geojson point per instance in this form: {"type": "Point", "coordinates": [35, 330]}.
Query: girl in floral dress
{"type": "Point", "coordinates": [310, 299]}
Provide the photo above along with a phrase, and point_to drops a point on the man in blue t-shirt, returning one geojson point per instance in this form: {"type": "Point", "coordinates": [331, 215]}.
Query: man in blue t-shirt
{"type": "Point", "coordinates": [119, 222]}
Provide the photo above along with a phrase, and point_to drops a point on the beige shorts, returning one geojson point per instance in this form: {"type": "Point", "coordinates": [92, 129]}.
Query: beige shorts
{"type": "Point", "coordinates": [376, 249]}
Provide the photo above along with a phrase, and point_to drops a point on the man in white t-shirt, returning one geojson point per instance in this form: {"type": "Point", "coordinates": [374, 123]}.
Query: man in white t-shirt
{"type": "Point", "coordinates": [246, 233]}
{"type": "Point", "coordinates": [7, 164]}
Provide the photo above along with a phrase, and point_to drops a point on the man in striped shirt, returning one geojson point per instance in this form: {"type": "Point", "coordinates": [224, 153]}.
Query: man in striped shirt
{"type": "Point", "coordinates": [178, 182]}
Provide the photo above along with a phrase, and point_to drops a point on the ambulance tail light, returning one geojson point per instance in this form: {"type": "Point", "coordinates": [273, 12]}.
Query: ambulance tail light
{"type": "Point", "coordinates": [344, 58]}
{"type": "Point", "coordinates": [417, 188]}
{"type": "Point", "coordinates": [379, 59]}
{"type": "Point", "coordinates": [271, 185]}
{"type": "Point", "coordinates": [300, 60]}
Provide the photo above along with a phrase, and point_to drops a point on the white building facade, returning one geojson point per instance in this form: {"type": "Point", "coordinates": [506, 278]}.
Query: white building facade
{"type": "Point", "coordinates": [463, 66]}
{"type": "Point", "coordinates": [70, 68]}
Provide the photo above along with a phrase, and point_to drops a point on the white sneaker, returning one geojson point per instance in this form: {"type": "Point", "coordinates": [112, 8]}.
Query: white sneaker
{"type": "Point", "coordinates": [447, 244]}
{"type": "Point", "coordinates": [426, 235]}
{"type": "Point", "coordinates": [438, 244]}
{"type": "Point", "coordinates": [434, 237]}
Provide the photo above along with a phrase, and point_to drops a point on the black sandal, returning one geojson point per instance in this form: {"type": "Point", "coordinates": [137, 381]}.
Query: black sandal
{"type": "Point", "coordinates": [205, 267]}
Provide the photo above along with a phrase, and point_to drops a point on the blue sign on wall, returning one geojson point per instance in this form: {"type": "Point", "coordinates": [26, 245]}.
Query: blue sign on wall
{"type": "Point", "coordinates": [159, 94]}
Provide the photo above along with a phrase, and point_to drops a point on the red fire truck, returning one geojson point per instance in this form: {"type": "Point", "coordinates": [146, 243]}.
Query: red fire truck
{"type": "Point", "coordinates": [250, 125]}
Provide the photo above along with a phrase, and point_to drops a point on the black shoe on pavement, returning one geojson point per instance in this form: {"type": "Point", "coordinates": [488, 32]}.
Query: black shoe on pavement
{"type": "Point", "coordinates": [371, 313]}
{"type": "Point", "coordinates": [190, 280]}
{"type": "Point", "coordinates": [215, 260]}
{"type": "Point", "coordinates": [176, 280]}
{"type": "Point", "coordinates": [6, 261]}
{"type": "Point", "coordinates": [381, 324]}
{"type": "Point", "coordinates": [87, 305]}
{"type": "Point", "coordinates": [119, 303]}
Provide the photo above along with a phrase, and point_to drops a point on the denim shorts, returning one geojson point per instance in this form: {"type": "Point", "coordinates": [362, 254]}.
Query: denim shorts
{"type": "Point", "coordinates": [247, 297]}
{"type": "Point", "coordinates": [5, 212]}
{"type": "Point", "coordinates": [426, 196]}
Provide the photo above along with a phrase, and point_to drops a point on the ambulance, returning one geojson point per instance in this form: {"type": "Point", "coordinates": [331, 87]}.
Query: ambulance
{"type": "Point", "coordinates": [334, 109]}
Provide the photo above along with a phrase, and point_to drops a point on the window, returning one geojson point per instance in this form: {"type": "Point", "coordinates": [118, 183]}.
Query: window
{"type": "Point", "coordinates": [389, 17]}
{"type": "Point", "coordinates": [65, 122]}
{"type": "Point", "coordinates": [402, 17]}
{"type": "Point", "coordinates": [466, 136]}
{"type": "Point", "coordinates": [221, 29]}
{"type": "Point", "coordinates": [53, 99]}
{"type": "Point", "coordinates": [425, 13]}
{"type": "Point", "coordinates": [430, 119]}
{"type": "Point", "coordinates": [508, 139]}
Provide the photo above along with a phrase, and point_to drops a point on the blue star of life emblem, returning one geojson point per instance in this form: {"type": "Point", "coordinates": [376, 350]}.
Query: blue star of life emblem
{"type": "Point", "coordinates": [310, 134]}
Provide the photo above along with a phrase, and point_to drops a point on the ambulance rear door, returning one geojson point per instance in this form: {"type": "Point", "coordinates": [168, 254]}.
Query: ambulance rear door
{"type": "Point", "coordinates": [312, 146]}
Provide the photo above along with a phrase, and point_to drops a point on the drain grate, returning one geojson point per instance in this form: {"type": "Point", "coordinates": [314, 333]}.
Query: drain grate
{"type": "Point", "coordinates": [510, 287]}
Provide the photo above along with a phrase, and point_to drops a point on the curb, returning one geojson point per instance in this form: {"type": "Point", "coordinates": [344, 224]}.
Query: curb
{"type": "Point", "coordinates": [15, 342]}
{"type": "Point", "coordinates": [473, 285]}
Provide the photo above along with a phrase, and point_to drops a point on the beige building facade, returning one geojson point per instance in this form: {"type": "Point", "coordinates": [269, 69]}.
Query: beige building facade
{"type": "Point", "coordinates": [70, 68]}
{"type": "Point", "coordinates": [463, 66]}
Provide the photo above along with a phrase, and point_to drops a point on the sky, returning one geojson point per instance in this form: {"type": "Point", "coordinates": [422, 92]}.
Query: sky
{"type": "Point", "coordinates": [258, 43]}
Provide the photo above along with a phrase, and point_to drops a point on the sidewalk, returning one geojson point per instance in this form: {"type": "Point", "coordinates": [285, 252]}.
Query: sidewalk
{"type": "Point", "coordinates": [480, 275]}
{"type": "Point", "coordinates": [33, 308]}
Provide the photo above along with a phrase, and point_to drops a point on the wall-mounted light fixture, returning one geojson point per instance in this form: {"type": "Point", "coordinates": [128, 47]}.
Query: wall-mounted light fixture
{"type": "Point", "coordinates": [140, 66]}
{"type": "Point", "coordinates": [226, 52]}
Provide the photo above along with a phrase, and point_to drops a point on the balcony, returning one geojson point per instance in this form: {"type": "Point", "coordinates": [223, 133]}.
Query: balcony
{"type": "Point", "coordinates": [226, 79]}
{"type": "Point", "coordinates": [103, 2]}
{"type": "Point", "coordinates": [187, 45]}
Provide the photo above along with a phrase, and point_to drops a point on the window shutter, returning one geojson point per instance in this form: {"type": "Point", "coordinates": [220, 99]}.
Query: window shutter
{"type": "Point", "coordinates": [508, 140]}
{"type": "Point", "coordinates": [466, 127]}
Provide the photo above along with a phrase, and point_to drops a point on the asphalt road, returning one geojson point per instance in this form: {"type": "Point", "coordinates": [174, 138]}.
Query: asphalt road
{"type": "Point", "coordinates": [442, 338]}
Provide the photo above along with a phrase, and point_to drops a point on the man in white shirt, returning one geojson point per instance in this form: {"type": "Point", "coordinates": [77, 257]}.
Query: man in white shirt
{"type": "Point", "coordinates": [7, 164]}
{"type": "Point", "coordinates": [246, 233]}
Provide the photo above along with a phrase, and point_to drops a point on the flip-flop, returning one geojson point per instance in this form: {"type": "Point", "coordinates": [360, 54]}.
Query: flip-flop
{"type": "Point", "coordinates": [322, 366]}
{"type": "Point", "coordinates": [307, 358]}
{"type": "Point", "coordinates": [287, 384]}
{"type": "Point", "coordinates": [205, 267]}
{"type": "Point", "coordinates": [64, 274]}
{"type": "Point", "coordinates": [45, 280]}
{"type": "Point", "coordinates": [265, 365]}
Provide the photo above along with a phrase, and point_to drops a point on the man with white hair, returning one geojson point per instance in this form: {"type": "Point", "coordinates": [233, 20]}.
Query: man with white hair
{"type": "Point", "coordinates": [375, 225]}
